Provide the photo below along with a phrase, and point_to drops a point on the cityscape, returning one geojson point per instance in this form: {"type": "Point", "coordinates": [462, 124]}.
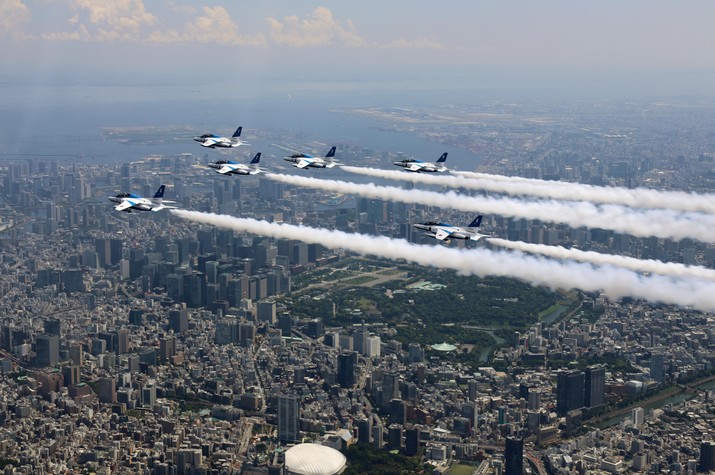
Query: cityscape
{"type": "Point", "coordinates": [145, 343]}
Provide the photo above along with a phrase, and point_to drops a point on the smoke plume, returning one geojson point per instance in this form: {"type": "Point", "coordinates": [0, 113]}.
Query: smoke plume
{"type": "Point", "coordinates": [556, 190]}
{"type": "Point", "coordinates": [636, 222]}
{"type": "Point", "coordinates": [638, 265]}
{"type": "Point", "coordinates": [614, 282]}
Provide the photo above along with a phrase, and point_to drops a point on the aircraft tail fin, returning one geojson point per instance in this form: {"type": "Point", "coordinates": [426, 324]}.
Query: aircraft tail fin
{"type": "Point", "coordinates": [331, 153]}
{"type": "Point", "coordinates": [256, 159]}
{"type": "Point", "coordinates": [159, 193]}
{"type": "Point", "coordinates": [476, 223]}
{"type": "Point", "coordinates": [237, 133]}
{"type": "Point", "coordinates": [443, 158]}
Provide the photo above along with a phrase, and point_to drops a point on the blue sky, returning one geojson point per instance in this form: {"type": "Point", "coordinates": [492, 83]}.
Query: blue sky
{"type": "Point", "coordinates": [157, 38]}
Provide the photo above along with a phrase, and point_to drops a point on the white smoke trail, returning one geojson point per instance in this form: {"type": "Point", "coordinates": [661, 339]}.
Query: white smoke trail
{"type": "Point", "coordinates": [614, 282]}
{"type": "Point", "coordinates": [631, 263]}
{"type": "Point", "coordinates": [636, 197]}
{"type": "Point", "coordinates": [640, 223]}
{"type": "Point", "coordinates": [557, 190]}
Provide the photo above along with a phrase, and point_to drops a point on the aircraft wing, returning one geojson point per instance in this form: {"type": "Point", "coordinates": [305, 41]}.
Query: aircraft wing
{"type": "Point", "coordinates": [414, 167]}
{"type": "Point", "coordinates": [303, 163]}
{"type": "Point", "coordinates": [442, 234]}
{"type": "Point", "coordinates": [124, 205]}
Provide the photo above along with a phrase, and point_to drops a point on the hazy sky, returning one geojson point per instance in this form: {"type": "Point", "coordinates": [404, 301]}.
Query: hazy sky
{"type": "Point", "coordinates": [150, 38]}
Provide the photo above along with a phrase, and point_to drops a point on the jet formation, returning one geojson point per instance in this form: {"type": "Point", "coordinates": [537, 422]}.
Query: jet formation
{"type": "Point", "coordinates": [129, 202]}
{"type": "Point", "coordinates": [229, 167]}
{"type": "Point", "coordinates": [412, 165]}
{"type": "Point", "coordinates": [445, 232]}
{"type": "Point", "coordinates": [303, 160]}
{"type": "Point", "coordinates": [213, 140]}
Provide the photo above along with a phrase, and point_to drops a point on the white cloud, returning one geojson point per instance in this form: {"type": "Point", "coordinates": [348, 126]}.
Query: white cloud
{"type": "Point", "coordinates": [319, 28]}
{"type": "Point", "coordinates": [214, 26]}
{"type": "Point", "coordinates": [106, 20]}
{"type": "Point", "coordinates": [13, 16]}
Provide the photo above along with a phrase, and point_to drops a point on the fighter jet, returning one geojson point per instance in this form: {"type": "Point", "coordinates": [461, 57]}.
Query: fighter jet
{"type": "Point", "coordinates": [445, 232]}
{"type": "Point", "coordinates": [412, 165]}
{"type": "Point", "coordinates": [129, 202]}
{"type": "Point", "coordinates": [213, 140]}
{"type": "Point", "coordinates": [303, 160]}
{"type": "Point", "coordinates": [229, 167]}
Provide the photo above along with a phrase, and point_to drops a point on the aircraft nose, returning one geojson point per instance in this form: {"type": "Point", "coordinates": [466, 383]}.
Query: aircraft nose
{"type": "Point", "coordinates": [399, 164]}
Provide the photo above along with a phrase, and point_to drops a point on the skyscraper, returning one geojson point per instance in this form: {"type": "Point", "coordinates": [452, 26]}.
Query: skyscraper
{"type": "Point", "coordinates": [76, 354]}
{"type": "Point", "coordinates": [285, 323]}
{"type": "Point", "coordinates": [412, 440]}
{"type": "Point", "coordinates": [657, 366]}
{"type": "Point", "coordinates": [514, 456]}
{"type": "Point", "coordinates": [47, 348]}
{"type": "Point", "coordinates": [123, 341]}
{"type": "Point", "coordinates": [364, 427]}
{"type": "Point", "coordinates": [390, 388]}
{"type": "Point", "coordinates": [288, 419]}
{"type": "Point", "coordinates": [360, 341]}
{"type": "Point", "coordinates": [570, 390]}
{"type": "Point", "coordinates": [179, 320]}
{"type": "Point", "coordinates": [107, 391]}
{"type": "Point", "coordinates": [266, 311]}
{"type": "Point", "coordinates": [346, 369]}
{"type": "Point", "coordinates": [707, 456]}
{"type": "Point", "coordinates": [595, 386]}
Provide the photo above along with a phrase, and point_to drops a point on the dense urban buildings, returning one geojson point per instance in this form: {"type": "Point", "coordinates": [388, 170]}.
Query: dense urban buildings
{"type": "Point", "coordinates": [144, 343]}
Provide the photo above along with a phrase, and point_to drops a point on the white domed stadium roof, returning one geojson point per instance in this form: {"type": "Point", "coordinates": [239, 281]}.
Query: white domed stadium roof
{"type": "Point", "coordinates": [314, 459]}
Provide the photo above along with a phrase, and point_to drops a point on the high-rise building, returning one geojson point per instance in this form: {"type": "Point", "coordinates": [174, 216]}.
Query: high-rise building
{"type": "Point", "coordinates": [378, 436]}
{"type": "Point", "coordinates": [570, 390]}
{"type": "Point", "coordinates": [347, 363]}
{"type": "Point", "coordinates": [315, 328]}
{"type": "Point", "coordinates": [394, 436]}
{"type": "Point", "coordinates": [53, 327]}
{"type": "Point", "coordinates": [637, 416]}
{"type": "Point", "coordinates": [657, 366]}
{"type": "Point", "coordinates": [707, 457]}
{"type": "Point", "coordinates": [167, 348]}
{"type": "Point", "coordinates": [364, 427]}
{"type": "Point", "coordinates": [122, 341]}
{"type": "Point", "coordinates": [390, 388]}
{"type": "Point", "coordinates": [246, 334]}
{"type": "Point", "coordinates": [47, 348]}
{"type": "Point", "coordinates": [136, 317]}
{"type": "Point", "coordinates": [266, 311]}
{"type": "Point", "coordinates": [514, 456]}
{"type": "Point", "coordinates": [107, 391]}
{"type": "Point", "coordinates": [360, 341]}
{"type": "Point", "coordinates": [595, 386]}
{"type": "Point", "coordinates": [71, 375]}
{"type": "Point", "coordinates": [373, 346]}
{"type": "Point", "coordinates": [285, 323]}
{"type": "Point", "coordinates": [288, 419]}
{"type": "Point", "coordinates": [398, 411]}
{"type": "Point", "coordinates": [534, 402]}
{"type": "Point", "coordinates": [179, 320]}
{"type": "Point", "coordinates": [76, 354]}
{"type": "Point", "coordinates": [472, 387]}
{"type": "Point", "coordinates": [412, 440]}
{"type": "Point", "coordinates": [148, 393]}
{"type": "Point", "coordinates": [226, 331]}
